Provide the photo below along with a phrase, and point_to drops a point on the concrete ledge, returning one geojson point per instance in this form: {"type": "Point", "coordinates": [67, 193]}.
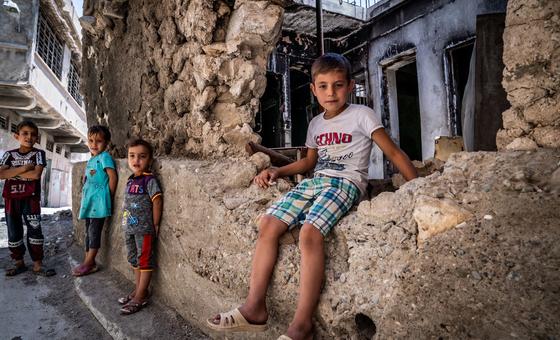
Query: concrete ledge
{"type": "Point", "coordinates": [100, 292]}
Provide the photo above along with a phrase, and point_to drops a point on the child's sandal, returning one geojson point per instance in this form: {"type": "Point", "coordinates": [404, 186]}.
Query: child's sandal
{"type": "Point", "coordinates": [133, 307]}
{"type": "Point", "coordinates": [125, 299]}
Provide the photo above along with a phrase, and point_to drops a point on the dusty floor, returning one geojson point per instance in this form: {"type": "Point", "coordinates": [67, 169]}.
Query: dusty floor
{"type": "Point", "coordinates": [50, 308]}
{"type": "Point", "coordinates": [46, 308]}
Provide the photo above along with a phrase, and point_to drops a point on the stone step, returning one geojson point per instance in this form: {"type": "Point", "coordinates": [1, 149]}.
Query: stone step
{"type": "Point", "coordinates": [100, 291]}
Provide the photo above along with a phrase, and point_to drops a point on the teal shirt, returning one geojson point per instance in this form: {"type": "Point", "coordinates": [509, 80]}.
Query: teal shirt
{"type": "Point", "coordinates": [96, 196]}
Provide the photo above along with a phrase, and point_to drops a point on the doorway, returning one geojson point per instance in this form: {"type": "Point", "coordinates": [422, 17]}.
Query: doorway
{"type": "Point", "coordinates": [301, 99]}
{"type": "Point", "coordinates": [458, 64]}
{"type": "Point", "coordinates": [408, 102]}
{"type": "Point", "coordinates": [269, 122]}
{"type": "Point", "coordinates": [401, 103]}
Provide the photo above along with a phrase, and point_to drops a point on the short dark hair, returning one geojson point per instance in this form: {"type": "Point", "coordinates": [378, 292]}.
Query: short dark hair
{"type": "Point", "coordinates": [329, 62]}
{"type": "Point", "coordinates": [100, 129]}
{"type": "Point", "coordinates": [140, 141]}
{"type": "Point", "coordinates": [27, 123]}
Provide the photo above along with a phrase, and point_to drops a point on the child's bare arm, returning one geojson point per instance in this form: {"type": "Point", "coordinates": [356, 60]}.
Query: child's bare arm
{"type": "Point", "coordinates": [395, 154]}
{"type": "Point", "coordinates": [299, 167]}
{"type": "Point", "coordinates": [34, 173]}
{"type": "Point", "coordinates": [7, 172]}
{"type": "Point", "coordinates": [113, 180]}
{"type": "Point", "coordinates": [157, 210]}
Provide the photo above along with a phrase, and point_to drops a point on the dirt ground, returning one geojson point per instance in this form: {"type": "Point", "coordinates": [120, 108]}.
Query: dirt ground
{"type": "Point", "coordinates": [46, 308]}
{"type": "Point", "coordinates": [50, 308]}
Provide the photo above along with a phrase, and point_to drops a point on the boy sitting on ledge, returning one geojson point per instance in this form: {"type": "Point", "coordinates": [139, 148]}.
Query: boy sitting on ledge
{"type": "Point", "coordinates": [339, 142]}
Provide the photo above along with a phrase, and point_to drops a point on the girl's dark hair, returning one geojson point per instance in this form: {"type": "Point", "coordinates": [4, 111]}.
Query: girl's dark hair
{"type": "Point", "coordinates": [140, 141]}
{"type": "Point", "coordinates": [100, 129]}
{"type": "Point", "coordinates": [329, 62]}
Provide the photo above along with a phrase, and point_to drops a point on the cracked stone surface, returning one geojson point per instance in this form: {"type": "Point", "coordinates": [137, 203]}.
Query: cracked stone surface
{"type": "Point", "coordinates": [186, 75]}
{"type": "Point", "coordinates": [531, 75]}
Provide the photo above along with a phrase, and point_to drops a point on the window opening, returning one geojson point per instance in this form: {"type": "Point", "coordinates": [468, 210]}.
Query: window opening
{"type": "Point", "coordinates": [4, 122]}
{"type": "Point", "coordinates": [74, 83]}
{"type": "Point", "coordinates": [49, 47]}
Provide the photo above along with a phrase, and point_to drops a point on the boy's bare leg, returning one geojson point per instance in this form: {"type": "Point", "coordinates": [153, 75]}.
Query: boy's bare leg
{"type": "Point", "coordinates": [90, 257]}
{"type": "Point", "coordinates": [311, 276]}
{"type": "Point", "coordinates": [264, 259]}
{"type": "Point", "coordinates": [37, 265]}
{"type": "Point", "coordinates": [143, 281]}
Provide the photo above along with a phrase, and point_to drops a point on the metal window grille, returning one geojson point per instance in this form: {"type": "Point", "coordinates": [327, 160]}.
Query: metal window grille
{"type": "Point", "coordinates": [49, 47]}
{"type": "Point", "coordinates": [50, 145]}
{"type": "Point", "coordinates": [13, 127]}
{"type": "Point", "coordinates": [58, 149]}
{"type": "Point", "coordinates": [74, 83]}
{"type": "Point", "coordinates": [67, 154]}
{"type": "Point", "coordinates": [4, 122]}
{"type": "Point", "coordinates": [360, 94]}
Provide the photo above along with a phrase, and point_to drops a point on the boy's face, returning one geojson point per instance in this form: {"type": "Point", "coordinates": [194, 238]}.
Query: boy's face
{"type": "Point", "coordinates": [332, 90]}
{"type": "Point", "coordinates": [138, 159]}
{"type": "Point", "coordinates": [27, 137]}
{"type": "Point", "coordinates": [96, 143]}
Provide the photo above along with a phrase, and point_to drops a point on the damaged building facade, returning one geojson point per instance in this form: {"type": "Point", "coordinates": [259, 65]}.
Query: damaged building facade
{"type": "Point", "coordinates": [40, 58]}
{"type": "Point", "coordinates": [425, 70]}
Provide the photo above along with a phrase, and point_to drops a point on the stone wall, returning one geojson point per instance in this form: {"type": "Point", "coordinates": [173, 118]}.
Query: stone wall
{"type": "Point", "coordinates": [463, 253]}
{"type": "Point", "coordinates": [186, 75]}
{"type": "Point", "coordinates": [531, 75]}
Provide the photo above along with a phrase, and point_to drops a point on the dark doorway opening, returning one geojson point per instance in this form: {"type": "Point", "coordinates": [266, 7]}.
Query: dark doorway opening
{"type": "Point", "coordinates": [459, 60]}
{"type": "Point", "coordinates": [269, 122]}
{"type": "Point", "coordinates": [301, 105]}
{"type": "Point", "coordinates": [490, 96]}
{"type": "Point", "coordinates": [408, 104]}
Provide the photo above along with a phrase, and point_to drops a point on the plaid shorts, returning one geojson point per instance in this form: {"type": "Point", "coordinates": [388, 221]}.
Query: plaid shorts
{"type": "Point", "coordinates": [321, 201]}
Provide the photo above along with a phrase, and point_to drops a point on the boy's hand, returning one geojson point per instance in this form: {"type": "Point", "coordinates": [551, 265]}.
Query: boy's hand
{"type": "Point", "coordinates": [266, 178]}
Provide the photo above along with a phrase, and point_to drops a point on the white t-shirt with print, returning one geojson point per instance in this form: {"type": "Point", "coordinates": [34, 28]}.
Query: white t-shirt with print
{"type": "Point", "coordinates": [344, 143]}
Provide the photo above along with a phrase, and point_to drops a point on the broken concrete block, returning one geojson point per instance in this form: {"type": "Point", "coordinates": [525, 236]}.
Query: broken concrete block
{"type": "Point", "coordinates": [88, 24]}
{"type": "Point", "coordinates": [261, 161]}
{"type": "Point", "coordinates": [255, 22]}
{"type": "Point", "coordinates": [435, 216]}
{"type": "Point", "coordinates": [522, 144]}
{"type": "Point", "coordinates": [547, 136]}
{"type": "Point", "coordinates": [445, 146]}
{"type": "Point", "coordinates": [240, 136]}
{"type": "Point", "coordinates": [241, 175]}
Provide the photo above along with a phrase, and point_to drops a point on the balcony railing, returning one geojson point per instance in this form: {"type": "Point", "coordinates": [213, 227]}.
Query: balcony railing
{"type": "Point", "coordinates": [361, 3]}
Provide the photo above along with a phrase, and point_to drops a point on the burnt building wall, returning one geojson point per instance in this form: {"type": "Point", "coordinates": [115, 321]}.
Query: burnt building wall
{"type": "Point", "coordinates": [420, 32]}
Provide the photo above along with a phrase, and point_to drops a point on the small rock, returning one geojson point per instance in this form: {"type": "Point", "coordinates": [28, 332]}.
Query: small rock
{"type": "Point", "coordinates": [513, 276]}
{"type": "Point", "coordinates": [476, 276]}
{"type": "Point", "coordinates": [488, 217]}
{"type": "Point", "coordinates": [461, 225]}
{"type": "Point", "coordinates": [387, 226]}
{"type": "Point", "coordinates": [342, 278]}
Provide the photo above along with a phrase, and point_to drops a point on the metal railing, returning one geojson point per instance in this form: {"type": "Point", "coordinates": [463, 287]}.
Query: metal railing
{"type": "Point", "coordinates": [361, 3]}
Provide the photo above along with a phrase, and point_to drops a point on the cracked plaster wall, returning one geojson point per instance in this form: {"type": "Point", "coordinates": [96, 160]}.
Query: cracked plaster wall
{"type": "Point", "coordinates": [531, 75]}
{"type": "Point", "coordinates": [185, 75]}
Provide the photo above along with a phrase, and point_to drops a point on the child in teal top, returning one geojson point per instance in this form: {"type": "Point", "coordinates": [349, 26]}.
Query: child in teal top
{"type": "Point", "coordinates": [100, 182]}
